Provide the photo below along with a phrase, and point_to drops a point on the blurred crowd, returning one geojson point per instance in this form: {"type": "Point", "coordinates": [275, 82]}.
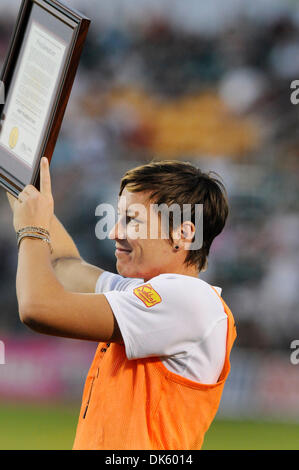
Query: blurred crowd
{"type": "Point", "coordinates": [160, 87]}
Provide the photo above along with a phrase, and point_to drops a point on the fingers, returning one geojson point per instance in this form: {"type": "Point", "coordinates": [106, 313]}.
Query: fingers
{"type": "Point", "coordinates": [11, 199]}
{"type": "Point", "coordinates": [45, 178]}
{"type": "Point", "coordinates": [23, 196]}
{"type": "Point", "coordinates": [45, 184]}
{"type": "Point", "coordinates": [28, 191]}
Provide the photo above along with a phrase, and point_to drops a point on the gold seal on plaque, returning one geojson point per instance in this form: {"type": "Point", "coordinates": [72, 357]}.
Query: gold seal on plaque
{"type": "Point", "coordinates": [13, 137]}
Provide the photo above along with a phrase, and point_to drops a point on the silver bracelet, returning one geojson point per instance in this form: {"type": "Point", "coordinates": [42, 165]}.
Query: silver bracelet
{"type": "Point", "coordinates": [33, 229]}
{"type": "Point", "coordinates": [40, 237]}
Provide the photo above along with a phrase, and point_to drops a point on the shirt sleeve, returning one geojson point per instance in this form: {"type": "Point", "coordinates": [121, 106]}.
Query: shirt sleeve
{"type": "Point", "coordinates": [109, 281]}
{"type": "Point", "coordinates": [157, 319]}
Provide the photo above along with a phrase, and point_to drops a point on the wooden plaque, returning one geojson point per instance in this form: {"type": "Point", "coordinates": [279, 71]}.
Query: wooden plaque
{"type": "Point", "coordinates": [38, 75]}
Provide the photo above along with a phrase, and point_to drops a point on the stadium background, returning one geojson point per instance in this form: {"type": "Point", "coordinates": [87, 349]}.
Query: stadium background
{"type": "Point", "coordinates": [206, 82]}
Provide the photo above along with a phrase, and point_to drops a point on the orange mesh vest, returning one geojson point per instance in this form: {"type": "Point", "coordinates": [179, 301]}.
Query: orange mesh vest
{"type": "Point", "coordinates": [139, 404]}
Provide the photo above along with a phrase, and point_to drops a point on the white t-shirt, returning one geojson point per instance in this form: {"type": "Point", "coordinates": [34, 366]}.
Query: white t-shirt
{"type": "Point", "coordinates": [178, 318]}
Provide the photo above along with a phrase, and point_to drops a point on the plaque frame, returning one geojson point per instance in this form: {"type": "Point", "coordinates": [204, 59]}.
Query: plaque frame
{"type": "Point", "coordinates": [71, 27]}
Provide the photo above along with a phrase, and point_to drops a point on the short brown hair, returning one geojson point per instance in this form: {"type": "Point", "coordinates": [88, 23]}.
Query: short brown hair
{"type": "Point", "coordinates": [175, 182]}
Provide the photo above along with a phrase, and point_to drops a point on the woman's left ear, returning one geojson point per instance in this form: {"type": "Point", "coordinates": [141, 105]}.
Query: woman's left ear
{"type": "Point", "coordinates": [187, 230]}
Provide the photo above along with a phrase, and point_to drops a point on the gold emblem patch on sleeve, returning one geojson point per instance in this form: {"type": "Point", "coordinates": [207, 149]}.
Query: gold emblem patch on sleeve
{"type": "Point", "coordinates": [148, 295]}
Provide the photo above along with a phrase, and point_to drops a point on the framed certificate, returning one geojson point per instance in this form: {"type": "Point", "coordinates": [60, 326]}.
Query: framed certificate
{"type": "Point", "coordinates": [38, 75]}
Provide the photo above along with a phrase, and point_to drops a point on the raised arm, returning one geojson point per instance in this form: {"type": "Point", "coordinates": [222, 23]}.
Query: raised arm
{"type": "Point", "coordinates": [45, 305]}
{"type": "Point", "coordinates": [75, 274]}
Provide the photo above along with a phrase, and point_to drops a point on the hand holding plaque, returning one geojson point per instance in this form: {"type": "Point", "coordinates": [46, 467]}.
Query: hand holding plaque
{"type": "Point", "coordinates": [38, 75]}
{"type": "Point", "coordinates": [35, 208]}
